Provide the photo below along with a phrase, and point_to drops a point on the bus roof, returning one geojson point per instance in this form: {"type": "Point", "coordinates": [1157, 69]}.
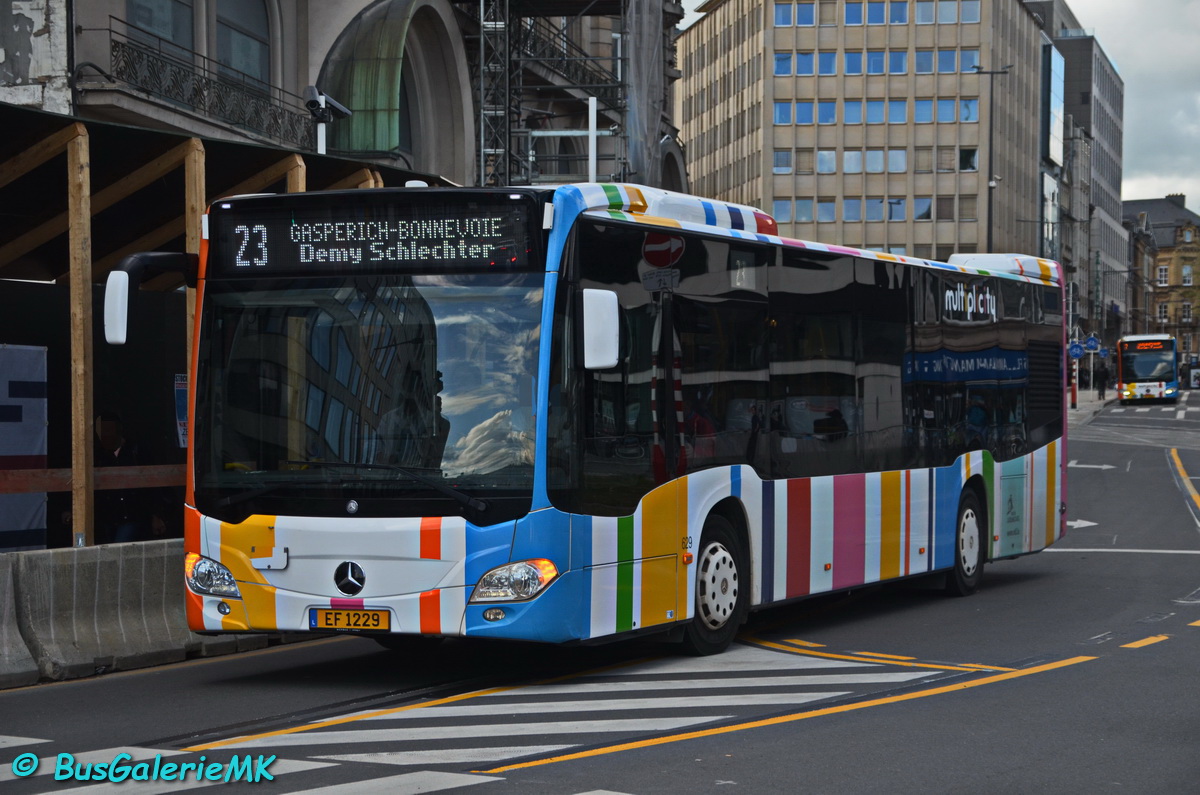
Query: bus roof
{"type": "Point", "coordinates": [1145, 337]}
{"type": "Point", "coordinates": [667, 209]}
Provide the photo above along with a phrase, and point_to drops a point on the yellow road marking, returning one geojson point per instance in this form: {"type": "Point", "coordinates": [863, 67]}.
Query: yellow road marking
{"type": "Point", "coordinates": [393, 710]}
{"type": "Point", "coordinates": [855, 658]}
{"type": "Point", "coordinates": [817, 713]}
{"type": "Point", "coordinates": [1137, 644]}
{"type": "Point", "coordinates": [1194, 624]}
{"type": "Point", "coordinates": [883, 656]}
{"type": "Point", "coordinates": [806, 643]}
{"type": "Point", "coordinates": [1183, 475]}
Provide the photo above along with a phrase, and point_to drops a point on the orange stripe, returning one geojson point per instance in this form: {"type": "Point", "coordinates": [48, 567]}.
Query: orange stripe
{"type": "Point", "coordinates": [1051, 502]}
{"type": "Point", "coordinates": [431, 538]}
{"type": "Point", "coordinates": [890, 525]}
{"type": "Point", "coordinates": [431, 612]}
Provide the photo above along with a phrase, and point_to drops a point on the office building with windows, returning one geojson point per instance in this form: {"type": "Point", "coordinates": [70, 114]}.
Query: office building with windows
{"type": "Point", "coordinates": [910, 126]}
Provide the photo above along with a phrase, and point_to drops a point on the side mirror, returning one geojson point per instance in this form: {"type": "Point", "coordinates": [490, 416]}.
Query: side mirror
{"type": "Point", "coordinates": [116, 307]}
{"type": "Point", "coordinates": [601, 329]}
{"type": "Point", "coordinates": [125, 279]}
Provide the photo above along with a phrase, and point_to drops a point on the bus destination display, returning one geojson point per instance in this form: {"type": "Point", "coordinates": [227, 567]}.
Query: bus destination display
{"type": "Point", "coordinates": [322, 238]}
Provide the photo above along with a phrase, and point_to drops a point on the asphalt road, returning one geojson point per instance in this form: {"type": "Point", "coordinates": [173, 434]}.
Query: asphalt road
{"type": "Point", "coordinates": [1072, 671]}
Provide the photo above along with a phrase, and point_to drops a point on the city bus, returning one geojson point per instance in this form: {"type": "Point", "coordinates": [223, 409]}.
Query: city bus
{"type": "Point", "coordinates": [581, 413]}
{"type": "Point", "coordinates": [1147, 368]}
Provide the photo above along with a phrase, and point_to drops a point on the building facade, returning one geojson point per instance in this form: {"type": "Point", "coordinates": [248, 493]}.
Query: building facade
{"type": "Point", "coordinates": [1095, 100]}
{"type": "Point", "coordinates": [1173, 267]}
{"type": "Point", "coordinates": [472, 92]}
{"type": "Point", "coordinates": [902, 126]}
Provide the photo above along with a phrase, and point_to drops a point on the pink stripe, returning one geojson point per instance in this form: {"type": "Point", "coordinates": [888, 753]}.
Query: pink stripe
{"type": "Point", "coordinates": [346, 604]}
{"type": "Point", "coordinates": [850, 530]}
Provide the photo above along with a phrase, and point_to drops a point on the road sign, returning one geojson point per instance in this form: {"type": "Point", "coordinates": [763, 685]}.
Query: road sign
{"type": "Point", "coordinates": [1104, 353]}
{"type": "Point", "coordinates": [1075, 349]}
{"type": "Point", "coordinates": [661, 250]}
{"type": "Point", "coordinates": [1092, 344]}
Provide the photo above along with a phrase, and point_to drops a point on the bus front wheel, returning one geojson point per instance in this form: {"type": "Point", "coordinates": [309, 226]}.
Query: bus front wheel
{"type": "Point", "coordinates": [970, 540]}
{"type": "Point", "coordinates": [721, 589]}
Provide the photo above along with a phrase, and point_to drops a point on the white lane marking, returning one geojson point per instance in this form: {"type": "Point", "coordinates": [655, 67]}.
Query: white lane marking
{"type": "Point", "coordinates": [9, 741]}
{"type": "Point", "coordinates": [475, 709]}
{"type": "Point", "coordinates": [509, 730]}
{"type": "Point", "coordinates": [740, 658]}
{"type": "Point", "coordinates": [404, 784]}
{"type": "Point", "coordinates": [447, 756]}
{"type": "Point", "coordinates": [1142, 551]}
{"type": "Point", "coordinates": [716, 684]}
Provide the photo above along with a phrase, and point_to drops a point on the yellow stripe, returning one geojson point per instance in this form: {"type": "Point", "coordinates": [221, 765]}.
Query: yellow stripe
{"type": "Point", "coordinates": [807, 643]}
{"type": "Point", "coordinates": [637, 202]}
{"type": "Point", "coordinates": [1194, 624]}
{"type": "Point", "coordinates": [683, 607]}
{"type": "Point", "coordinates": [1051, 502]}
{"type": "Point", "coordinates": [831, 656]}
{"type": "Point", "coordinates": [1183, 477]}
{"type": "Point", "coordinates": [817, 713]}
{"type": "Point", "coordinates": [882, 656]}
{"type": "Point", "coordinates": [889, 530]}
{"type": "Point", "coordinates": [1150, 641]}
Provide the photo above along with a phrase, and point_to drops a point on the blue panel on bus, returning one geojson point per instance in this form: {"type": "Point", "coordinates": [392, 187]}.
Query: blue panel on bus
{"type": "Point", "coordinates": [559, 615]}
{"type": "Point", "coordinates": [544, 534]}
{"type": "Point", "coordinates": [945, 493]}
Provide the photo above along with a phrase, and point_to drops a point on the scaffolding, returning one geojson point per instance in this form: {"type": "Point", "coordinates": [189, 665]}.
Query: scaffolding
{"type": "Point", "coordinates": [534, 76]}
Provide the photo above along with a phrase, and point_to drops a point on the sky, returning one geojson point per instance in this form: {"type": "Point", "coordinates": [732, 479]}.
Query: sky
{"type": "Point", "coordinates": [1154, 46]}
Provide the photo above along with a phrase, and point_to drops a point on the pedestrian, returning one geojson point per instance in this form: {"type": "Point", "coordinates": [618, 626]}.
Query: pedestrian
{"type": "Point", "coordinates": [1101, 380]}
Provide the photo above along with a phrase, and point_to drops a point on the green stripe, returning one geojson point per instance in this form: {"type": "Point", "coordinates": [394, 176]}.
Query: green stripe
{"type": "Point", "coordinates": [625, 573]}
{"type": "Point", "coordinates": [615, 199]}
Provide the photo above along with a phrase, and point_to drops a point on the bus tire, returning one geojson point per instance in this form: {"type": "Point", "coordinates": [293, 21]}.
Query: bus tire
{"type": "Point", "coordinates": [722, 589]}
{"type": "Point", "coordinates": [970, 541]}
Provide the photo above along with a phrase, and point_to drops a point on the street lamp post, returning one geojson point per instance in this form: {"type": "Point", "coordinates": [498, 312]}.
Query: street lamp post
{"type": "Point", "coordinates": [991, 179]}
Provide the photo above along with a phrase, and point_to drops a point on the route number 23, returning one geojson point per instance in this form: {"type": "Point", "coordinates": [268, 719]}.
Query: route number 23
{"type": "Point", "coordinates": [253, 242]}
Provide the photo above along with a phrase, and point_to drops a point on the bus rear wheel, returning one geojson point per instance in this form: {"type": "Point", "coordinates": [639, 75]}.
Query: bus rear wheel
{"type": "Point", "coordinates": [970, 540]}
{"type": "Point", "coordinates": [721, 589]}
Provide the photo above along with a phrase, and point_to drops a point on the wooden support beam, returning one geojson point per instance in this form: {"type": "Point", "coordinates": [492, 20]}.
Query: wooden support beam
{"type": "Point", "coordinates": [23, 481]}
{"type": "Point", "coordinates": [268, 176]}
{"type": "Point", "coordinates": [363, 178]}
{"type": "Point", "coordinates": [378, 179]}
{"type": "Point", "coordinates": [39, 153]}
{"type": "Point", "coordinates": [101, 200]}
{"type": "Point", "coordinates": [79, 180]}
{"type": "Point", "coordinates": [193, 212]}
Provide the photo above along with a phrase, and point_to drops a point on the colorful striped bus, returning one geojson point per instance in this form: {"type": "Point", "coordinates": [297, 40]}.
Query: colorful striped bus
{"type": "Point", "coordinates": [579, 413]}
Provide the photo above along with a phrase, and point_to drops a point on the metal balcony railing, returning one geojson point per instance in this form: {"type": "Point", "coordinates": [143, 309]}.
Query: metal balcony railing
{"type": "Point", "coordinates": [184, 78]}
{"type": "Point", "coordinates": [537, 40]}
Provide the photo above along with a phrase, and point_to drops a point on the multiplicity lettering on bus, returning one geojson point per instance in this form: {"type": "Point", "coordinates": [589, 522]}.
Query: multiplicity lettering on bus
{"type": "Point", "coordinates": [971, 302]}
{"type": "Point", "coordinates": [379, 241]}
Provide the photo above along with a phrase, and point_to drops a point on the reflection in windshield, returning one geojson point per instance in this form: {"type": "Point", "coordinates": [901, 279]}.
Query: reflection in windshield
{"type": "Point", "coordinates": [1149, 366]}
{"type": "Point", "coordinates": [430, 374]}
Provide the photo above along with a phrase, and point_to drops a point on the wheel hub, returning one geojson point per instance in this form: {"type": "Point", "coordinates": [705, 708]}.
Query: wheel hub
{"type": "Point", "coordinates": [717, 584]}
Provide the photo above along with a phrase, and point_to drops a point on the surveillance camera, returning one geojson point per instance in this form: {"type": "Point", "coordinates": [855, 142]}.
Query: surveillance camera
{"type": "Point", "coordinates": [323, 107]}
{"type": "Point", "coordinates": [339, 110]}
{"type": "Point", "coordinates": [312, 98]}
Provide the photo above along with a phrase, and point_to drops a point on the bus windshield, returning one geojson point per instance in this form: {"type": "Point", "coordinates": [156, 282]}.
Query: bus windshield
{"type": "Point", "coordinates": [1147, 365]}
{"type": "Point", "coordinates": [385, 389]}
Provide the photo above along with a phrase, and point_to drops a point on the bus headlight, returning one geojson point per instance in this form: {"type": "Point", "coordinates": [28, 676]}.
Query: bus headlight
{"type": "Point", "coordinates": [206, 576]}
{"type": "Point", "coordinates": [1170, 391]}
{"type": "Point", "coordinates": [515, 581]}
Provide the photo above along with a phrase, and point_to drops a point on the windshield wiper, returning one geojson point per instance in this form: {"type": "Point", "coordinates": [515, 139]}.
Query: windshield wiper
{"type": "Point", "coordinates": [474, 503]}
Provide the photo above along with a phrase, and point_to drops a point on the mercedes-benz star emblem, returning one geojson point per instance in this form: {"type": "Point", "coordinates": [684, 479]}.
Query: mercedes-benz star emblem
{"type": "Point", "coordinates": [352, 506]}
{"type": "Point", "coordinates": [349, 578]}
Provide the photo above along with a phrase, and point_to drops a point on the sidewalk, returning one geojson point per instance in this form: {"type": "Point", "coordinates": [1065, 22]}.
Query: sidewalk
{"type": "Point", "coordinates": [1087, 404]}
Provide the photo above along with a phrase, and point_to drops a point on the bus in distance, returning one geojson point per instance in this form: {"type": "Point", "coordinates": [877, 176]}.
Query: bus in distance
{"type": "Point", "coordinates": [580, 413]}
{"type": "Point", "coordinates": [1147, 368]}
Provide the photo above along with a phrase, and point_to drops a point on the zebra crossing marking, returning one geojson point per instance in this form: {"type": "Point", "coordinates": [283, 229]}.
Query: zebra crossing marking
{"type": "Point", "coordinates": [406, 784]}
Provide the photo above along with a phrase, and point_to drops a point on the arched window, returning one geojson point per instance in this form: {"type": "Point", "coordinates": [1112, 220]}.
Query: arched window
{"type": "Point", "coordinates": [243, 39]}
